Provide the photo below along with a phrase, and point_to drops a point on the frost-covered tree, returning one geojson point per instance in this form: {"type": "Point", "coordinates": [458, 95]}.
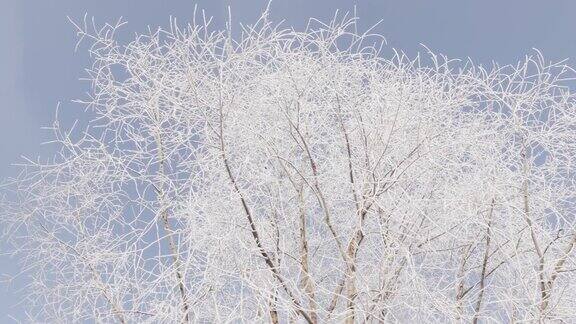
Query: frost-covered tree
{"type": "Point", "coordinates": [302, 176]}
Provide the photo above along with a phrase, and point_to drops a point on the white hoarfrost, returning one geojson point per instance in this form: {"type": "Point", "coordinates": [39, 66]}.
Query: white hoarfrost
{"type": "Point", "coordinates": [284, 176]}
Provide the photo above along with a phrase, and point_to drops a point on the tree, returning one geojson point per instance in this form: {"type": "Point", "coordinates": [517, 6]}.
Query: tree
{"type": "Point", "coordinates": [286, 176]}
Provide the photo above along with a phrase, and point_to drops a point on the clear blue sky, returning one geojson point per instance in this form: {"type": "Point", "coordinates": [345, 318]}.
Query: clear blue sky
{"type": "Point", "coordinates": [39, 68]}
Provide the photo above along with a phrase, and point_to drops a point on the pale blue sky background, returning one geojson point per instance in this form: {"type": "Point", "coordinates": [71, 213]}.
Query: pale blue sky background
{"type": "Point", "coordinates": [39, 68]}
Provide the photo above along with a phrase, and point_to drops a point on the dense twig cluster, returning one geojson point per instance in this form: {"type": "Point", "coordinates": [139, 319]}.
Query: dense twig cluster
{"type": "Point", "coordinates": [301, 176]}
